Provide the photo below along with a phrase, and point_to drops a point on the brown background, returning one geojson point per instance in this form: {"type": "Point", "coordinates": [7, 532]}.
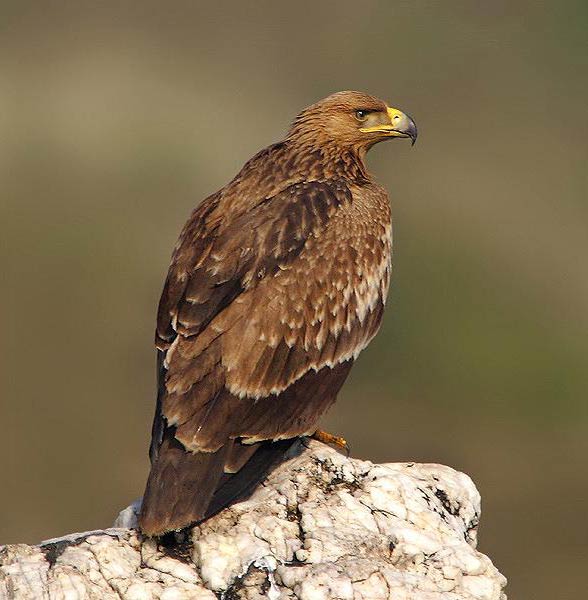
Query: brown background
{"type": "Point", "coordinates": [117, 118]}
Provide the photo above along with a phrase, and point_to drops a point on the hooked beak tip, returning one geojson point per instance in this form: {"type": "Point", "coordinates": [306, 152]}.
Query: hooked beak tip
{"type": "Point", "coordinates": [412, 131]}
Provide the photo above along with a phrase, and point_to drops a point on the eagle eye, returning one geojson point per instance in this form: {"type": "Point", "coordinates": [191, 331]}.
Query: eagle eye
{"type": "Point", "coordinates": [361, 115]}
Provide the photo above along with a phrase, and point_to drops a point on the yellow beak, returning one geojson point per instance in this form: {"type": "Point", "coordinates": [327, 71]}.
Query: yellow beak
{"type": "Point", "coordinates": [401, 125]}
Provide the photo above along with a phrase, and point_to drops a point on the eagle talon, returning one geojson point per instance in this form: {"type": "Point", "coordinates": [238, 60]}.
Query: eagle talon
{"type": "Point", "coordinates": [332, 440]}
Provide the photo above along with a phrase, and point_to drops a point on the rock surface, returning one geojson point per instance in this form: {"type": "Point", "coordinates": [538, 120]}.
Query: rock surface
{"type": "Point", "coordinates": [321, 527]}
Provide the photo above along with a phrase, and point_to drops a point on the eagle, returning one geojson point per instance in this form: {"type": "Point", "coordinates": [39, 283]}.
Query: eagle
{"type": "Point", "coordinates": [276, 284]}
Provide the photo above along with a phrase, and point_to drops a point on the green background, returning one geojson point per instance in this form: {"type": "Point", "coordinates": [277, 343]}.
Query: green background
{"type": "Point", "coordinates": [116, 119]}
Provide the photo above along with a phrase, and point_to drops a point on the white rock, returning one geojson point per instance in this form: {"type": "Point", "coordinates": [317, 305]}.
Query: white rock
{"type": "Point", "coordinates": [322, 527]}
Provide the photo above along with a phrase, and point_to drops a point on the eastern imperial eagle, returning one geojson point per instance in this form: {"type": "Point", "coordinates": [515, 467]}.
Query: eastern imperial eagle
{"type": "Point", "coordinates": [277, 283]}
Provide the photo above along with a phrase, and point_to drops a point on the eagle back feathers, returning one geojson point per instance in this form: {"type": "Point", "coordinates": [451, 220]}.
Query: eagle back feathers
{"type": "Point", "coordinates": [256, 300]}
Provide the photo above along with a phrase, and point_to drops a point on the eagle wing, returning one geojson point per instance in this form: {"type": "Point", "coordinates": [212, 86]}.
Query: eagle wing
{"type": "Point", "coordinates": [244, 321]}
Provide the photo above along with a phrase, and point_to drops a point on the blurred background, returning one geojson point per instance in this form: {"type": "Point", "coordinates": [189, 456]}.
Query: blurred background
{"type": "Point", "coordinates": [117, 118]}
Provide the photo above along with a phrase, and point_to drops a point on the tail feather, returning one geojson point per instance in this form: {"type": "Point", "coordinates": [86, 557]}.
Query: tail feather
{"type": "Point", "coordinates": [187, 487]}
{"type": "Point", "coordinates": [238, 485]}
{"type": "Point", "coordinates": [180, 486]}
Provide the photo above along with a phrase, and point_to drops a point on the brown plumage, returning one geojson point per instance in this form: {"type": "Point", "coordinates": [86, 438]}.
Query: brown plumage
{"type": "Point", "coordinates": [276, 284]}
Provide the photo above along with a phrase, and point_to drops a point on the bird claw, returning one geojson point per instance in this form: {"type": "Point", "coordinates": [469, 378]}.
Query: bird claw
{"type": "Point", "coordinates": [331, 440]}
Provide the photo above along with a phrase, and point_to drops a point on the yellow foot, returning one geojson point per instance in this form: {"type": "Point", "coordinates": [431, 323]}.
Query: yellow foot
{"type": "Point", "coordinates": [332, 440]}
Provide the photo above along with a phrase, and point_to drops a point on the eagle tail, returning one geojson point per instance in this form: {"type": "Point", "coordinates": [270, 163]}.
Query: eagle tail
{"type": "Point", "coordinates": [180, 486]}
{"type": "Point", "coordinates": [187, 487]}
{"type": "Point", "coordinates": [238, 485]}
